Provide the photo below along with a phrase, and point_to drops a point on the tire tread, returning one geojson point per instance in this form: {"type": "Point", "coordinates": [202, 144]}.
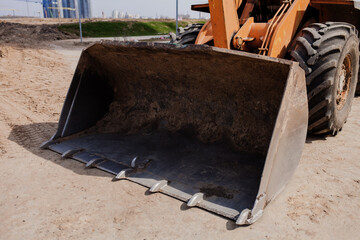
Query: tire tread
{"type": "Point", "coordinates": [318, 51]}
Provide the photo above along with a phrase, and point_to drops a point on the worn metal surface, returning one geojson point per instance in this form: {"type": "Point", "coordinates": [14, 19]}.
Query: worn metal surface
{"type": "Point", "coordinates": [194, 122]}
{"type": "Point", "coordinates": [224, 21]}
{"type": "Point", "coordinates": [227, 179]}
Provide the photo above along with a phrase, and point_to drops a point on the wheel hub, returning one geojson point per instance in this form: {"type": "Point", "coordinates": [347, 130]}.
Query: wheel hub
{"type": "Point", "coordinates": [343, 85]}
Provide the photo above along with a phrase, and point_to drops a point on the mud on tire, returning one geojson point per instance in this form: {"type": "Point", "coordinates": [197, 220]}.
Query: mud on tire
{"type": "Point", "coordinates": [329, 54]}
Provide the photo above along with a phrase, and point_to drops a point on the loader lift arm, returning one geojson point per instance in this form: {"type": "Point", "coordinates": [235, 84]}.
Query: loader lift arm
{"type": "Point", "coordinates": [231, 31]}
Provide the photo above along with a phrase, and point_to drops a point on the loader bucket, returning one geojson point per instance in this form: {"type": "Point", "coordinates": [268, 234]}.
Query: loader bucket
{"type": "Point", "coordinates": [218, 129]}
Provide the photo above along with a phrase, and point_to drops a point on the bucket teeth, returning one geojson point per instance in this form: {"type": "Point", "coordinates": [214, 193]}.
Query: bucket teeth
{"type": "Point", "coordinates": [158, 186]}
{"type": "Point", "coordinates": [138, 163]}
{"type": "Point", "coordinates": [133, 162]}
{"type": "Point", "coordinates": [71, 152]}
{"type": "Point", "coordinates": [243, 218]}
{"type": "Point", "coordinates": [123, 174]}
{"type": "Point", "coordinates": [46, 144]}
{"type": "Point", "coordinates": [93, 162]}
{"type": "Point", "coordinates": [195, 199]}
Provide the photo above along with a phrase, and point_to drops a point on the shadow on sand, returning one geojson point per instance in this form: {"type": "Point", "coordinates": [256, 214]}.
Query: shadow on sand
{"type": "Point", "coordinates": [31, 136]}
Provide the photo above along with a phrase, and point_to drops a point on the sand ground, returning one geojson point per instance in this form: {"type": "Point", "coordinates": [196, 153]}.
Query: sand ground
{"type": "Point", "coordinates": [45, 197]}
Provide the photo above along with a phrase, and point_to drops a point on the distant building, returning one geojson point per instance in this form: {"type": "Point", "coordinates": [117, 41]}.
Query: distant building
{"type": "Point", "coordinates": [51, 9]}
{"type": "Point", "coordinates": [184, 16]}
{"type": "Point", "coordinates": [66, 8]}
{"type": "Point", "coordinates": [69, 8]}
{"type": "Point", "coordinates": [115, 14]}
{"type": "Point", "coordinates": [121, 15]}
{"type": "Point", "coordinates": [85, 8]}
{"type": "Point", "coordinates": [203, 15]}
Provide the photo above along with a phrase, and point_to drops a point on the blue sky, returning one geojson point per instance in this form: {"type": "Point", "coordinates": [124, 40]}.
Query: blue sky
{"type": "Point", "coordinates": [141, 7]}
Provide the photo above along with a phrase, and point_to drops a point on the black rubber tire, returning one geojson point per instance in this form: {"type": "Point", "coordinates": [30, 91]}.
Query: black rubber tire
{"type": "Point", "coordinates": [321, 51]}
{"type": "Point", "coordinates": [188, 34]}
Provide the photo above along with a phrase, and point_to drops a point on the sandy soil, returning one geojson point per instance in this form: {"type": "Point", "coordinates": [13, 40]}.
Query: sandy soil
{"type": "Point", "coordinates": [45, 197]}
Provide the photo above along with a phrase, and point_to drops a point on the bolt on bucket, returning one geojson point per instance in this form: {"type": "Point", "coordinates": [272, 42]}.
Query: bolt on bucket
{"type": "Point", "coordinates": [218, 129]}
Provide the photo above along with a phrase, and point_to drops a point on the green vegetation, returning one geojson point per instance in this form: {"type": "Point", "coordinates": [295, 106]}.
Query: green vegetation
{"type": "Point", "coordinates": [121, 28]}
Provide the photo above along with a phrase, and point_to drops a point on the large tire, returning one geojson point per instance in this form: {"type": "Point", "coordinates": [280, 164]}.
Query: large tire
{"type": "Point", "coordinates": [329, 54]}
{"type": "Point", "coordinates": [188, 34]}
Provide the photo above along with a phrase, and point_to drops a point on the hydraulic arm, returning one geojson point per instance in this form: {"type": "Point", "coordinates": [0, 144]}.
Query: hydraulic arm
{"type": "Point", "coordinates": [233, 29]}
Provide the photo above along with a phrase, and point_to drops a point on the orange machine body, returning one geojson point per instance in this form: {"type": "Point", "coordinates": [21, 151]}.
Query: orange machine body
{"type": "Point", "coordinates": [232, 27]}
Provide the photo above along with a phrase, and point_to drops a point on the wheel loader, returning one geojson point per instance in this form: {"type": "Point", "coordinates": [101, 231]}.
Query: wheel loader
{"type": "Point", "coordinates": [217, 118]}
